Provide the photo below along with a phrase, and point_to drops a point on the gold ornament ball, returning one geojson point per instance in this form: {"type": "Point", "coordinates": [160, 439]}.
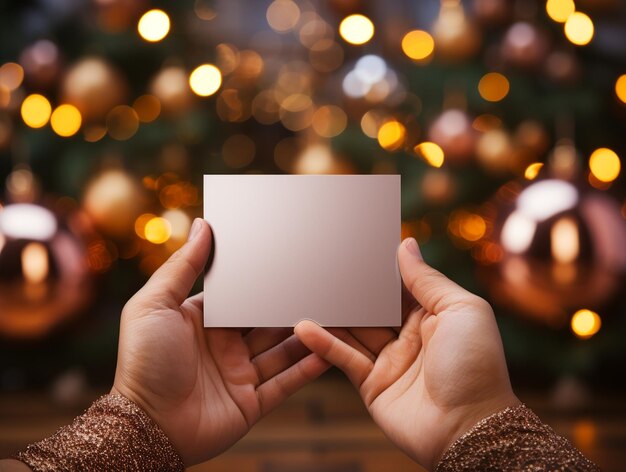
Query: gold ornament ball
{"type": "Point", "coordinates": [113, 200]}
{"type": "Point", "coordinates": [94, 87]}
{"type": "Point", "coordinates": [561, 246]}
{"type": "Point", "coordinates": [45, 278]}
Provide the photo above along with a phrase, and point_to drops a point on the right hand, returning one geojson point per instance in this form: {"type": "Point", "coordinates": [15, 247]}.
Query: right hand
{"type": "Point", "coordinates": [430, 381]}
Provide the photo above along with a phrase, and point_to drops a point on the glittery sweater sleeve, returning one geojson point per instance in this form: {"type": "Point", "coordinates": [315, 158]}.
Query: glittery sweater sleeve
{"type": "Point", "coordinates": [513, 439]}
{"type": "Point", "coordinates": [113, 434]}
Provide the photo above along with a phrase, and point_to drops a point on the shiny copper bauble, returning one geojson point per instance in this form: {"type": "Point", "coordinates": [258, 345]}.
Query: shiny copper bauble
{"type": "Point", "coordinates": [559, 247]}
{"type": "Point", "coordinates": [44, 275]}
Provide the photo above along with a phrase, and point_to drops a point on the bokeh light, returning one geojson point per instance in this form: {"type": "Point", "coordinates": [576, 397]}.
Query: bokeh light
{"type": "Point", "coordinates": [205, 80]}
{"type": "Point", "coordinates": [238, 151]}
{"type": "Point", "coordinates": [604, 164]}
{"type": "Point", "coordinates": [154, 25]}
{"type": "Point", "coordinates": [329, 121]}
{"type": "Point", "coordinates": [66, 120]}
{"type": "Point", "coordinates": [418, 45]}
{"type": "Point", "coordinates": [157, 230]}
{"type": "Point", "coordinates": [148, 108]}
{"type": "Point", "coordinates": [620, 88]}
{"type": "Point", "coordinates": [431, 152]}
{"type": "Point", "coordinates": [391, 135]}
{"type": "Point", "coordinates": [11, 76]}
{"type": "Point", "coordinates": [36, 110]}
{"type": "Point", "coordinates": [585, 323]}
{"type": "Point", "coordinates": [122, 122]}
{"type": "Point", "coordinates": [560, 10]}
{"type": "Point", "coordinates": [493, 87]}
{"type": "Point", "coordinates": [579, 29]}
{"type": "Point", "coordinates": [283, 15]}
{"type": "Point", "coordinates": [356, 29]}
{"type": "Point", "coordinates": [532, 170]}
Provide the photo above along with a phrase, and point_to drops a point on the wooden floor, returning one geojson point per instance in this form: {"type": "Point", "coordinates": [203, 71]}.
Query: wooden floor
{"type": "Point", "coordinates": [324, 428]}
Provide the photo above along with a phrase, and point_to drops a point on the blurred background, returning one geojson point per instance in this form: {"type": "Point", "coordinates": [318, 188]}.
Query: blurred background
{"type": "Point", "coordinates": [505, 119]}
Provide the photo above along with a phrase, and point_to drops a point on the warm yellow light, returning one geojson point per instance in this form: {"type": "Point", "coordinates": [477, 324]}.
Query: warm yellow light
{"type": "Point", "coordinates": [65, 120]}
{"type": "Point", "coordinates": [205, 80]}
{"type": "Point", "coordinates": [585, 323]}
{"type": "Point", "coordinates": [620, 88]}
{"type": "Point", "coordinates": [35, 263]}
{"type": "Point", "coordinates": [560, 10]}
{"type": "Point", "coordinates": [356, 29]}
{"type": "Point", "coordinates": [579, 28]}
{"type": "Point", "coordinates": [154, 25]}
{"type": "Point", "coordinates": [36, 110]}
{"type": "Point", "coordinates": [493, 87]}
{"type": "Point", "coordinates": [472, 227]}
{"type": "Point", "coordinates": [158, 230]}
{"type": "Point", "coordinates": [532, 170]}
{"type": "Point", "coordinates": [431, 152]}
{"type": "Point", "coordinates": [418, 44]}
{"type": "Point", "coordinates": [604, 164]}
{"type": "Point", "coordinates": [141, 222]}
{"type": "Point", "coordinates": [391, 135]}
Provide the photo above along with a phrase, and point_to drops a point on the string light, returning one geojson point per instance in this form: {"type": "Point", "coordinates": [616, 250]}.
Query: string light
{"type": "Point", "coordinates": [532, 170]}
{"type": "Point", "coordinates": [579, 28]}
{"type": "Point", "coordinates": [157, 230]}
{"type": "Point", "coordinates": [205, 80]}
{"type": "Point", "coordinates": [604, 164]}
{"type": "Point", "coordinates": [418, 45]}
{"type": "Point", "coordinates": [620, 88]}
{"type": "Point", "coordinates": [65, 120]}
{"type": "Point", "coordinates": [560, 10]}
{"type": "Point", "coordinates": [154, 25]}
{"type": "Point", "coordinates": [431, 152]}
{"type": "Point", "coordinates": [391, 135]}
{"type": "Point", "coordinates": [585, 323]}
{"type": "Point", "coordinates": [36, 110]}
{"type": "Point", "coordinates": [493, 87]}
{"type": "Point", "coordinates": [356, 29]}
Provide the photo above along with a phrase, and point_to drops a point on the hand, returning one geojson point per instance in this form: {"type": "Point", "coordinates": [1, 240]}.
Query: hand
{"type": "Point", "coordinates": [204, 387]}
{"type": "Point", "coordinates": [432, 380]}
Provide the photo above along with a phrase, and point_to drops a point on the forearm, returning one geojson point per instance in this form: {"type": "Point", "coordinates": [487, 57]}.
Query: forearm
{"type": "Point", "coordinates": [513, 439]}
{"type": "Point", "coordinates": [113, 434]}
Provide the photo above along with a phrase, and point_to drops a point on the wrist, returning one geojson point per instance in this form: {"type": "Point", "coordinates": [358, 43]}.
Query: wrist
{"type": "Point", "coordinates": [113, 434]}
{"type": "Point", "coordinates": [462, 419]}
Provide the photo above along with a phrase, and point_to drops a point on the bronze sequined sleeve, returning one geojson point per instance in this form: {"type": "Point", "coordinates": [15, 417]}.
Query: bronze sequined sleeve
{"type": "Point", "coordinates": [513, 439]}
{"type": "Point", "coordinates": [113, 434]}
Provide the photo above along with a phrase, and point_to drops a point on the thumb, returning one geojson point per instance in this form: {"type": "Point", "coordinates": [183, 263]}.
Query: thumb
{"type": "Point", "coordinates": [433, 290]}
{"type": "Point", "coordinates": [171, 283]}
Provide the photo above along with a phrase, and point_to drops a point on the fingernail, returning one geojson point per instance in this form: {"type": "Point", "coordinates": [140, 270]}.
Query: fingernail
{"type": "Point", "coordinates": [412, 247]}
{"type": "Point", "coordinates": [195, 229]}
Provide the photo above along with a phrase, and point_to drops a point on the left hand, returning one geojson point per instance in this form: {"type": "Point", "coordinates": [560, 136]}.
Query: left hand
{"type": "Point", "coordinates": [205, 388]}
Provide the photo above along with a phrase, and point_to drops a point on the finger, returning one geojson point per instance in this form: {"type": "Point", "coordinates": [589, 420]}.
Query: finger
{"type": "Point", "coordinates": [344, 335]}
{"type": "Point", "coordinates": [374, 339]}
{"type": "Point", "coordinates": [354, 363]}
{"type": "Point", "coordinates": [195, 302]}
{"type": "Point", "coordinates": [262, 339]}
{"type": "Point", "coordinates": [277, 389]}
{"type": "Point", "coordinates": [172, 282]}
{"type": "Point", "coordinates": [279, 358]}
{"type": "Point", "coordinates": [433, 290]}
